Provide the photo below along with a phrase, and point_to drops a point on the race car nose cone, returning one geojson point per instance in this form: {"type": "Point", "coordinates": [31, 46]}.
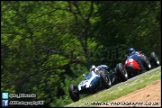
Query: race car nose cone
{"type": "Point", "coordinates": [130, 68]}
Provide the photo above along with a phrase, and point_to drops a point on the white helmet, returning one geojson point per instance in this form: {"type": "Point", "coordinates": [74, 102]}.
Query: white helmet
{"type": "Point", "coordinates": [96, 70]}
{"type": "Point", "coordinates": [93, 68]}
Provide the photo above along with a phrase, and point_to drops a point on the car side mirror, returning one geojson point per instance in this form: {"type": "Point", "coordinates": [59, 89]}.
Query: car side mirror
{"type": "Point", "coordinates": [84, 75]}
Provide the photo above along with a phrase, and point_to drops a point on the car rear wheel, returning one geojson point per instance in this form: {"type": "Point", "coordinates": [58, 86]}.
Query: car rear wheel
{"type": "Point", "coordinates": [74, 93]}
{"type": "Point", "coordinates": [154, 59]}
{"type": "Point", "coordinates": [105, 80]}
{"type": "Point", "coordinates": [121, 72]}
{"type": "Point", "coordinates": [146, 63]}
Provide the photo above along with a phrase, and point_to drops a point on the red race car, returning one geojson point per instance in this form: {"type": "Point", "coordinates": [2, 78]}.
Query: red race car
{"type": "Point", "coordinates": [137, 62]}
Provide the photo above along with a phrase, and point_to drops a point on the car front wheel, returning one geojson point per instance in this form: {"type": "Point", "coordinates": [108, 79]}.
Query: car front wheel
{"type": "Point", "coordinates": [74, 93]}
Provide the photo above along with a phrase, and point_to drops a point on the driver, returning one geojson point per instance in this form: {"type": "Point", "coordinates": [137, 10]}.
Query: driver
{"type": "Point", "coordinates": [93, 67]}
{"type": "Point", "coordinates": [132, 51]}
{"type": "Point", "coordinates": [98, 68]}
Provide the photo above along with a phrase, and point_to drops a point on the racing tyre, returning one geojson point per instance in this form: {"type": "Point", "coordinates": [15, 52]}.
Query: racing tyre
{"type": "Point", "coordinates": [121, 72]}
{"type": "Point", "coordinates": [146, 63]}
{"type": "Point", "coordinates": [105, 80]}
{"type": "Point", "coordinates": [74, 93]}
{"type": "Point", "coordinates": [154, 59]}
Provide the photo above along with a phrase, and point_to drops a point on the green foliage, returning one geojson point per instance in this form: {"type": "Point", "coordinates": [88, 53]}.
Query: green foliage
{"type": "Point", "coordinates": [133, 24]}
{"type": "Point", "coordinates": [48, 45]}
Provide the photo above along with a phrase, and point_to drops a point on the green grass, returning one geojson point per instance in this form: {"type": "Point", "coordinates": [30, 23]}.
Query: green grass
{"type": "Point", "coordinates": [119, 90]}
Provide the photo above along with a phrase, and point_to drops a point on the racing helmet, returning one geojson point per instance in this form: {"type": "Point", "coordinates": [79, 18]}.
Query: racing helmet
{"type": "Point", "coordinates": [131, 50]}
{"type": "Point", "coordinates": [96, 71]}
{"type": "Point", "coordinates": [92, 68]}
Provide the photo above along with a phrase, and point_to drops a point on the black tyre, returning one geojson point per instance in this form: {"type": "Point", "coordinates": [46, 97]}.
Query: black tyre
{"type": "Point", "coordinates": [105, 80]}
{"type": "Point", "coordinates": [146, 63]}
{"type": "Point", "coordinates": [74, 93]}
{"type": "Point", "coordinates": [121, 72]}
{"type": "Point", "coordinates": [154, 60]}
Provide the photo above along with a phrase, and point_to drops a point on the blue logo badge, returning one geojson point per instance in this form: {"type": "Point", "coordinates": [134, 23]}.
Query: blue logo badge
{"type": "Point", "coordinates": [4, 102]}
{"type": "Point", "coordinates": [4, 95]}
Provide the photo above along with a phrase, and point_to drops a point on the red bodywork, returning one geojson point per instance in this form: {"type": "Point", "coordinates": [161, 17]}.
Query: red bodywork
{"type": "Point", "coordinates": [132, 63]}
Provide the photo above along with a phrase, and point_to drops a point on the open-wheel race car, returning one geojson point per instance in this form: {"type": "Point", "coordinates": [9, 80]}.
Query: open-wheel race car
{"type": "Point", "coordinates": [138, 62]}
{"type": "Point", "coordinates": [97, 80]}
